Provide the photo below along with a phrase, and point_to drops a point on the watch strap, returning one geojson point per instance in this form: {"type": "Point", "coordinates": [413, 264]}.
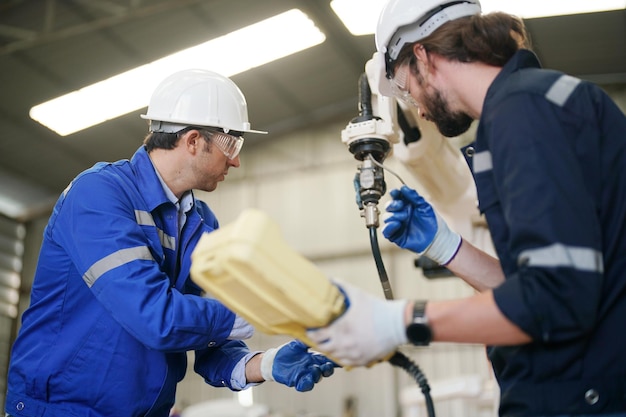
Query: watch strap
{"type": "Point", "coordinates": [418, 331]}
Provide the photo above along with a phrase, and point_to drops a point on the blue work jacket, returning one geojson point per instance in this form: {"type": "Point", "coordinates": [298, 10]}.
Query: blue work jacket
{"type": "Point", "coordinates": [550, 170]}
{"type": "Point", "coordinates": [113, 310]}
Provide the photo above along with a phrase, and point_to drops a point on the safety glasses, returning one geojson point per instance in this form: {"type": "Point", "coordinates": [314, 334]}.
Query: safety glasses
{"type": "Point", "coordinates": [399, 81]}
{"type": "Point", "coordinates": [229, 144]}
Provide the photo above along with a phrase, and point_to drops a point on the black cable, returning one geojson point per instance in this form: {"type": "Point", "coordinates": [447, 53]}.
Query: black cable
{"type": "Point", "coordinates": [402, 361]}
{"type": "Point", "coordinates": [365, 98]}
{"type": "Point", "coordinates": [411, 134]}
{"type": "Point", "coordinates": [382, 273]}
{"type": "Point", "coordinates": [399, 359]}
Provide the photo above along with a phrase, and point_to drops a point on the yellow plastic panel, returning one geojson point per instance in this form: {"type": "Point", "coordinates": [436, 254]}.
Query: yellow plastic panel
{"type": "Point", "coordinates": [248, 267]}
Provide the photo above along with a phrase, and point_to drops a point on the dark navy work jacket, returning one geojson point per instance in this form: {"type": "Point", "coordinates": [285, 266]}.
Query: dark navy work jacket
{"type": "Point", "coordinates": [550, 169]}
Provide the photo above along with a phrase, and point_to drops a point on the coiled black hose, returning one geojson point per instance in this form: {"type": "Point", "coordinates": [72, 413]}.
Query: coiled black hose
{"type": "Point", "coordinates": [400, 360]}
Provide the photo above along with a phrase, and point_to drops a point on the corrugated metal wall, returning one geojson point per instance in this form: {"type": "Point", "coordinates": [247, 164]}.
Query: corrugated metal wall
{"type": "Point", "coordinates": [12, 236]}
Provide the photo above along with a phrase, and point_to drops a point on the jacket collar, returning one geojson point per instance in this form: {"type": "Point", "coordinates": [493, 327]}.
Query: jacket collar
{"type": "Point", "coordinates": [523, 58]}
{"type": "Point", "coordinates": [148, 180]}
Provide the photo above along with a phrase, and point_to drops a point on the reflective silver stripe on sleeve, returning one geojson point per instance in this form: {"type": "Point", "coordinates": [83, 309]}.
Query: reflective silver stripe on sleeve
{"type": "Point", "coordinates": [482, 162]}
{"type": "Point", "coordinates": [67, 189]}
{"type": "Point", "coordinates": [114, 260]}
{"type": "Point", "coordinates": [145, 219]}
{"type": "Point", "coordinates": [167, 241]}
{"type": "Point", "coordinates": [559, 255]}
{"type": "Point", "coordinates": [562, 89]}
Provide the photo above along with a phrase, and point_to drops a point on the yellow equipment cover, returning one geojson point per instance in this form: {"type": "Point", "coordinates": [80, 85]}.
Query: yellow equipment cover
{"type": "Point", "coordinates": [248, 267]}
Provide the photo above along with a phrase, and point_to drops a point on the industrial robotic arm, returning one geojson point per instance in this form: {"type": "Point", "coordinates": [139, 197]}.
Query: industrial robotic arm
{"type": "Point", "coordinates": [386, 127]}
{"type": "Point", "coordinates": [370, 137]}
{"type": "Point", "coordinates": [438, 170]}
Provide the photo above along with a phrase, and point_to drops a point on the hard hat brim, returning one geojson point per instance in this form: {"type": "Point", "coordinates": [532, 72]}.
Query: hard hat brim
{"type": "Point", "coordinates": [173, 126]}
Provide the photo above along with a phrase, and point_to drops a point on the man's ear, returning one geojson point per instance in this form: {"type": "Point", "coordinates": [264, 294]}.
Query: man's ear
{"type": "Point", "coordinates": [192, 140]}
{"type": "Point", "coordinates": [420, 53]}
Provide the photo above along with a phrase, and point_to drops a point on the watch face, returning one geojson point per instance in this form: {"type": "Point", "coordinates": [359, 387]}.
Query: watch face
{"type": "Point", "coordinates": [419, 334]}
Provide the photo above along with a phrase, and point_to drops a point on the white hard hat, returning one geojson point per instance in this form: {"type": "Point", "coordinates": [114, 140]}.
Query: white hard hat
{"type": "Point", "coordinates": [407, 21]}
{"type": "Point", "coordinates": [200, 98]}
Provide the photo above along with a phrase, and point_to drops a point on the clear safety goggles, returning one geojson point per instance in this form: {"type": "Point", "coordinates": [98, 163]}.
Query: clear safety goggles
{"type": "Point", "coordinates": [399, 81]}
{"type": "Point", "coordinates": [229, 144]}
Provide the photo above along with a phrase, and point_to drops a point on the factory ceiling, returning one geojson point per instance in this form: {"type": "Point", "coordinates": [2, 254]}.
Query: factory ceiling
{"type": "Point", "coordinates": [51, 47]}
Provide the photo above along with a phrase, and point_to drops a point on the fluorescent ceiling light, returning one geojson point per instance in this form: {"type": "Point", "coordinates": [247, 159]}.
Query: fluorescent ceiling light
{"type": "Point", "coordinates": [265, 41]}
{"type": "Point", "coordinates": [360, 16]}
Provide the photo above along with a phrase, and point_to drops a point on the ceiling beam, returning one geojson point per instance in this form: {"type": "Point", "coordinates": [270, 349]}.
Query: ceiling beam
{"type": "Point", "coordinates": [47, 35]}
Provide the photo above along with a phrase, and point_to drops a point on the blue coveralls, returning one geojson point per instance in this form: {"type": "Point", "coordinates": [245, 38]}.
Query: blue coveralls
{"type": "Point", "coordinates": [113, 310]}
{"type": "Point", "coordinates": [550, 169]}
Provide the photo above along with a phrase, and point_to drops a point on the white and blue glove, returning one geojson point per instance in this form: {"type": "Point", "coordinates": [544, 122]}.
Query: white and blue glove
{"type": "Point", "coordinates": [412, 223]}
{"type": "Point", "coordinates": [292, 364]}
{"type": "Point", "coordinates": [370, 329]}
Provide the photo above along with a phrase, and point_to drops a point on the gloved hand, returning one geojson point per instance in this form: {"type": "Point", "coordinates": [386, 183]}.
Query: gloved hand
{"type": "Point", "coordinates": [293, 365]}
{"type": "Point", "coordinates": [412, 224]}
{"type": "Point", "coordinates": [369, 329]}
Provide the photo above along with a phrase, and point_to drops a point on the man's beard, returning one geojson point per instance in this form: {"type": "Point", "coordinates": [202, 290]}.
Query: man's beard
{"type": "Point", "coordinates": [449, 123]}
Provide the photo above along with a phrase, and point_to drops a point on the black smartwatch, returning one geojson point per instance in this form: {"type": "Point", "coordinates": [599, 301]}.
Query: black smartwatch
{"type": "Point", "coordinates": [418, 331]}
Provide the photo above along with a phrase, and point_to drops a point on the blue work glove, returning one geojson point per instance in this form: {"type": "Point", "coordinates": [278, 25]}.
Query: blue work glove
{"type": "Point", "coordinates": [411, 223]}
{"type": "Point", "coordinates": [293, 365]}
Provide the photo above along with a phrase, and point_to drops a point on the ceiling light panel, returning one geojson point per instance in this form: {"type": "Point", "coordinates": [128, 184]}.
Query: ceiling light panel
{"type": "Point", "coordinates": [265, 41]}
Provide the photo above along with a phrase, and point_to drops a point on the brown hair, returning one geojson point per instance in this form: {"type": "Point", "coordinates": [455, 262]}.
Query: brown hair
{"type": "Point", "coordinates": [162, 140]}
{"type": "Point", "coordinates": [491, 38]}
